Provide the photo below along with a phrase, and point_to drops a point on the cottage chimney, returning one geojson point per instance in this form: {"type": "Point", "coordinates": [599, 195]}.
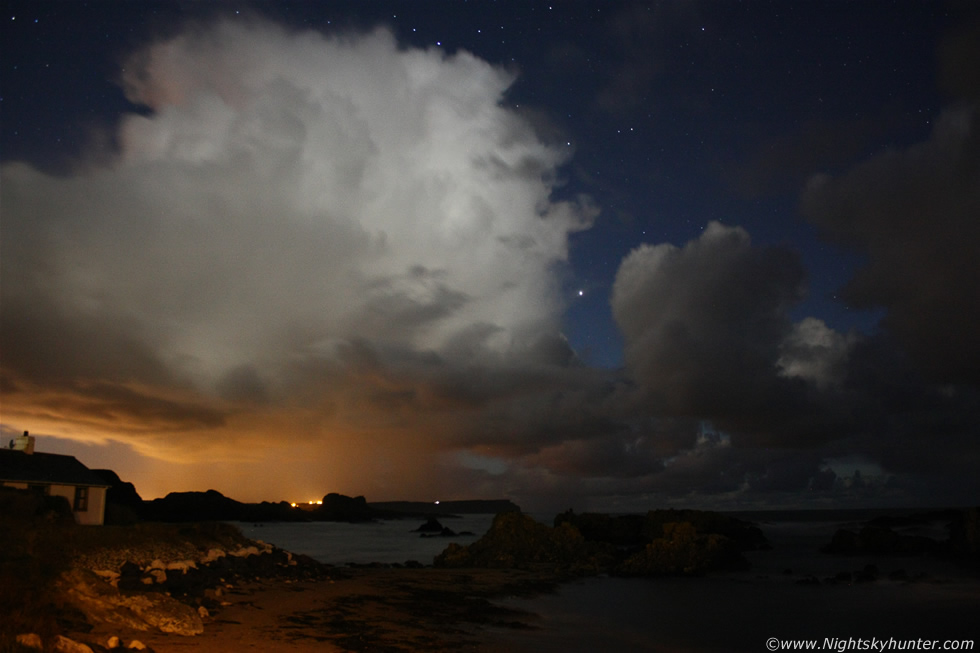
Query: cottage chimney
{"type": "Point", "coordinates": [24, 443]}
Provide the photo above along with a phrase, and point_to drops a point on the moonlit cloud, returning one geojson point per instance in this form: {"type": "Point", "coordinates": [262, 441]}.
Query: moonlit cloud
{"type": "Point", "coordinates": [295, 210]}
{"type": "Point", "coordinates": [814, 352]}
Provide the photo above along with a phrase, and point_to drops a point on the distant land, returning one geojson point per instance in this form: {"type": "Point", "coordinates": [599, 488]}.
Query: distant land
{"type": "Point", "coordinates": [124, 505]}
{"type": "Point", "coordinates": [447, 508]}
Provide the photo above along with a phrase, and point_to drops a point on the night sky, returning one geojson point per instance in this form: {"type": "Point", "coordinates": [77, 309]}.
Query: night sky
{"type": "Point", "coordinates": [601, 255]}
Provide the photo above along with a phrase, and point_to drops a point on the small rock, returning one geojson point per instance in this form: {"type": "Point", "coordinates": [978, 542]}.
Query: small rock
{"type": "Point", "coordinates": [157, 564]}
{"type": "Point", "coordinates": [213, 554]}
{"type": "Point", "coordinates": [136, 645]}
{"type": "Point", "coordinates": [245, 552]}
{"type": "Point", "coordinates": [867, 575]}
{"type": "Point", "coordinates": [430, 526]}
{"type": "Point", "coordinates": [64, 645]}
{"type": "Point", "coordinates": [30, 640]}
{"type": "Point", "coordinates": [201, 610]}
{"type": "Point", "coordinates": [181, 565]}
{"type": "Point", "coordinates": [899, 575]}
{"type": "Point", "coordinates": [113, 642]}
{"type": "Point", "coordinates": [159, 575]}
{"type": "Point", "coordinates": [130, 568]}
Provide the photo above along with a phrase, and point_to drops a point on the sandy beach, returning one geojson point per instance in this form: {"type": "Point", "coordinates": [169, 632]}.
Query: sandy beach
{"type": "Point", "coordinates": [365, 610]}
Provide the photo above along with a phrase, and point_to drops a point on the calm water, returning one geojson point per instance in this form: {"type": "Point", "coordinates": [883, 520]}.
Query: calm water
{"type": "Point", "coordinates": [741, 611]}
{"type": "Point", "coordinates": [728, 612]}
{"type": "Point", "coordinates": [389, 541]}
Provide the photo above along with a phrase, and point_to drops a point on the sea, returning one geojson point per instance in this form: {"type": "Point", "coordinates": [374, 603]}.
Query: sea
{"type": "Point", "coordinates": [387, 541]}
{"type": "Point", "coordinates": [783, 602]}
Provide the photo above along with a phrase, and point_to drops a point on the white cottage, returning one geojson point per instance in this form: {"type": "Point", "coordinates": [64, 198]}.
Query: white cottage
{"type": "Point", "coordinates": [55, 475]}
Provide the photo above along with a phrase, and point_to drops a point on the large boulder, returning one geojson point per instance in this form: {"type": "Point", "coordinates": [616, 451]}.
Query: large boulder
{"type": "Point", "coordinates": [683, 551]}
{"type": "Point", "coordinates": [432, 525]}
{"type": "Point", "coordinates": [636, 531]}
{"type": "Point", "coordinates": [745, 536]}
{"type": "Point", "coordinates": [620, 530]}
{"type": "Point", "coordinates": [634, 546]}
{"type": "Point", "coordinates": [516, 541]}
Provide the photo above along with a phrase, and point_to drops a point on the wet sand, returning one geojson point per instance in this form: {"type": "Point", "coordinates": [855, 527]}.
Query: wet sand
{"type": "Point", "coordinates": [369, 610]}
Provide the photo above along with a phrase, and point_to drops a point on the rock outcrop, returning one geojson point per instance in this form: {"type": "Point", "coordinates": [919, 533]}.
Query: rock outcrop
{"type": "Point", "coordinates": [432, 525]}
{"type": "Point", "coordinates": [123, 502]}
{"type": "Point", "coordinates": [100, 602]}
{"type": "Point", "coordinates": [176, 595]}
{"type": "Point", "coordinates": [639, 530]}
{"type": "Point", "coordinates": [682, 551]}
{"type": "Point", "coordinates": [516, 541]}
{"type": "Point", "coordinates": [338, 507]}
{"type": "Point", "coordinates": [432, 528]}
{"type": "Point", "coordinates": [639, 545]}
{"type": "Point", "coordinates": [901, 536]}
{"type": "Point", "coordinates": [214, 506]}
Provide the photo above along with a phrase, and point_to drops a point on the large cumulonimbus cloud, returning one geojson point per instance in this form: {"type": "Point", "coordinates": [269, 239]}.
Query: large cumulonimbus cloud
{"type": "Point", "coordinates": [289, 200]}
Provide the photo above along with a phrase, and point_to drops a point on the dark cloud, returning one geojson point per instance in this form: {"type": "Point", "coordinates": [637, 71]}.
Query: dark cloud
{"type": "Point", "coordinates": [959, 57]}
{"type": "Point", "coordinates": [913, 213]}
{"type": "Point", "coordinates": [702, 323]}
{"type": "Point", "coordinates": [784, 162]}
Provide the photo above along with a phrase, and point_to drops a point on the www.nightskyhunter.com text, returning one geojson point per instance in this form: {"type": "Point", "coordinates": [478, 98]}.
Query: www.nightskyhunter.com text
{"type": "Point", "coordinates": [873, 644]}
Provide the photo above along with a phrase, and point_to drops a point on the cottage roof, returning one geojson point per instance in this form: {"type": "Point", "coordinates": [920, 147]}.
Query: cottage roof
{"type": "Point", "coordinates": [23, 467]}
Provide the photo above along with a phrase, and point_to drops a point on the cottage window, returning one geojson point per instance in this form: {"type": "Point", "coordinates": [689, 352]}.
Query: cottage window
{"type": "Point", "coordinates": [38, 488]}
{"type": "Point", "coordinates": [81, 499]}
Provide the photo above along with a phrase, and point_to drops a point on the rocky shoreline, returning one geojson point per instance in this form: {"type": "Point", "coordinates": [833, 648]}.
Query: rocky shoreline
{"type": "Point", "coordinates": [207, 587]}
{"type": "Point", "coordinates": [179, 587]}
{"type": "Point", "coordinates": [171, 588]}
